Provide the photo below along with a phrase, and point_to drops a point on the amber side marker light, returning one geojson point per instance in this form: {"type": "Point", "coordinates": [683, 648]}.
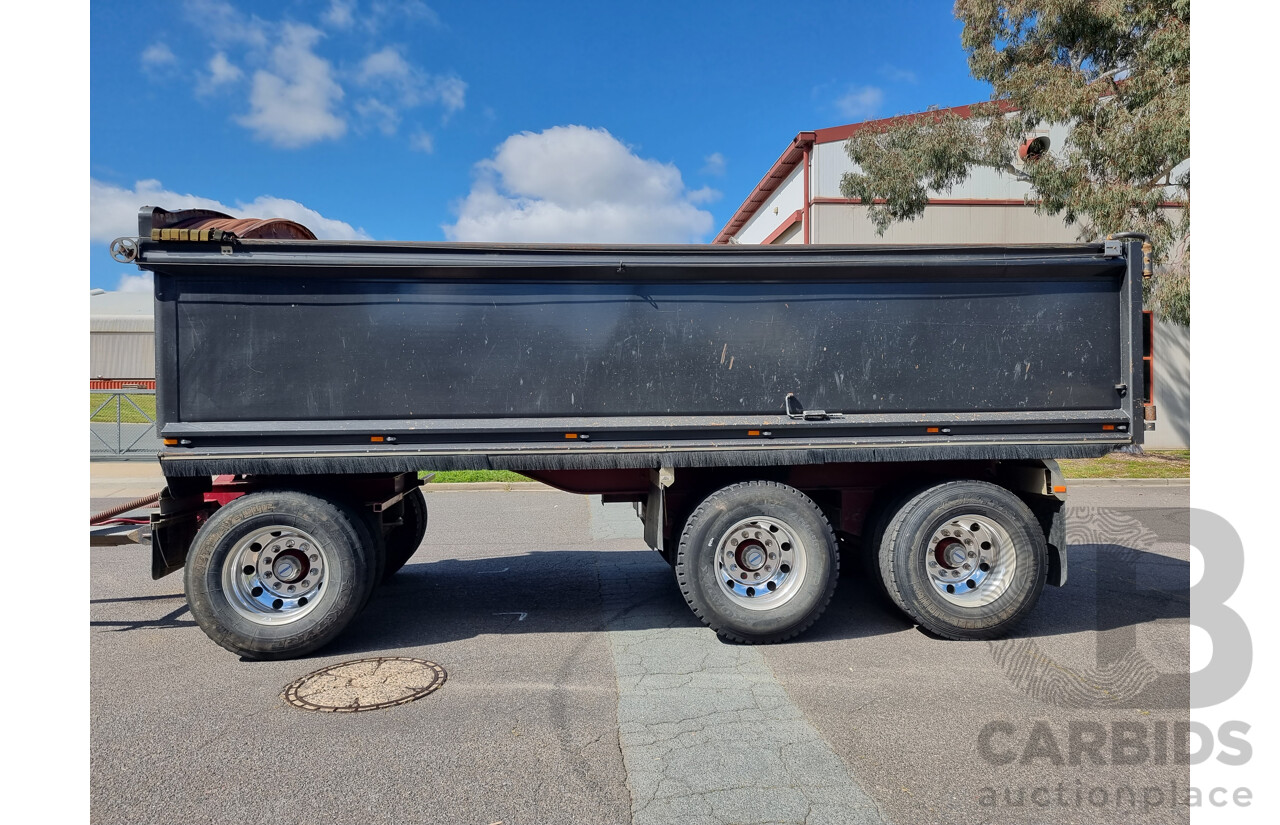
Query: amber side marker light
{"type": "Point", "coordinates": [1108, 426]}
{"type": "Point", "coordinates": [570, 435]}
{"type": "Point", "coordinates": [377, 438]}
{"type": "Point", "coordinates": [1059, 488]}
{"type": "Point", "coordinates": [171, 442]}
{"type": "Point", "coordinates": [931, 429]}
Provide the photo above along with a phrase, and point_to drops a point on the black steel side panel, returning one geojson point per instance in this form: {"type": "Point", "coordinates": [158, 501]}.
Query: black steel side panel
{"type": "Point", "coordinates": [265, 344]}
{"type": "Point", "coordinates": [305, 357]}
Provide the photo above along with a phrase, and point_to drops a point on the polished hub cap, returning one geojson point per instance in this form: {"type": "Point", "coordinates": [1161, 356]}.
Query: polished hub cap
{"type": "Point", "coordinates": [760, 563]}
{"type": "Point", "coordinates": [275, 575]}
{"type": "Point", "coordinates": [970, 560]}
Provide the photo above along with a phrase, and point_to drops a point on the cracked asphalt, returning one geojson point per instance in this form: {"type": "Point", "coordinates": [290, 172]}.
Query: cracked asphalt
{"type": "Point", "coordinates": [582, 690]}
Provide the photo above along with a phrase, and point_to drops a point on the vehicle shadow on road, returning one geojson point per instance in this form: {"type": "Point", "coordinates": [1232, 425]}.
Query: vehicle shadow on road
{"type": "Point", "coordinates": [1110, 587]}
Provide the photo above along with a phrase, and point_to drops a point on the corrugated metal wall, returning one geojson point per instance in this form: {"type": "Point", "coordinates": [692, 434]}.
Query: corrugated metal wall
{"type": "Point", "coordinates": [122, 355]}
{"type": "Point", "coordinates": [121, 336]}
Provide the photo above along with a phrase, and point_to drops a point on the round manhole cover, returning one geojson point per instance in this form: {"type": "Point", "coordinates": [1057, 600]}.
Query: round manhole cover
{"type": "Point", "coordinates": [365, 684]}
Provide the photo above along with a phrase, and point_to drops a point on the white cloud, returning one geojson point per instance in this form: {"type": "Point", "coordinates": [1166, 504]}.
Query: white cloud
{"type": "Point", "coordinates": [224, 24]}
{"type": "Point", "coordinates": [897, 75]}
{"type": "Point", "coordinates": [222, 71]}
{"type": "Point", "coordinates": [704, 195]}
{"type": "Point", "coordinates": [576, 184]}
{"type": "Point", "coordinates": [422, 142]}
{"type": "Point", "coordinates": [860, 102]}
{"type": "Point", "coordinates": [379, 14]}
{"type": "Point", "coordinates": [139, 282]}
{"type": "Point", "coordinates": [403, 10]}
{"type": "Point", "coordinates": [388, 71]}
{"type": "Point", "coordinates": [293, 105]}
{"type": "Point", "coordinates": [113, 210]}
{"type": "Point", "coordinates": [157, 55]}
{"type": "Point", "coordinates": [339, 14]}
{"type": "Point", "coordinates": [713, 164]}
{"type": "Point", "coordinates": [383, 117]}
{"type": "Point", "coordinates": [297, 95]}
{"type": "Point", "coordinates": [385, 64]}
{"type": "Point", "coordinates": [451, 91]}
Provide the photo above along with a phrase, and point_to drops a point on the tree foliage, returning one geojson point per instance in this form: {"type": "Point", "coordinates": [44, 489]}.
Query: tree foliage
{"type": "Point", "coordinates": [1115, 73]}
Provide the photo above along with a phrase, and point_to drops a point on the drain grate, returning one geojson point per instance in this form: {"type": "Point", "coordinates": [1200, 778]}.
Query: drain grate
{"type": "Point", "coordinates": [365, 684]}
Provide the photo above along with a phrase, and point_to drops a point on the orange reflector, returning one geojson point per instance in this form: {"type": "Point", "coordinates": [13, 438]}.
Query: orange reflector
{"type": "Point", "coordinates": [1108, 426]}
{"type": "Point", "coordinates": [753, 432]}
{"type": "Point", "coordinates": [570, 435]}
{"type": "Point", "coordinates": [931, 429]}
{"type": "Point", "coordinates": [1058, 488]}
{"type": "Point", "coordinates": [171, 442]}
{"type": "Point", "coordinates": [376, 438]}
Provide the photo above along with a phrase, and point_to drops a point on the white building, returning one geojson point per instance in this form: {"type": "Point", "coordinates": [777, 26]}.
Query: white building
{"type": "Point", "coordinates": [122, 349]}
{"type": "Point", "coordinates": [799, 201]}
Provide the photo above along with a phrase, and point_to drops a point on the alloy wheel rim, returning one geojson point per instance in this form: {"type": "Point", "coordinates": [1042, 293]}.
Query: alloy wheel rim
{"type": "Point", "coordinates": [970, 560]}
{"type": "Point", "coordinates": [275, 575]}
{"type": "Point", "coordinates": [760, 563]}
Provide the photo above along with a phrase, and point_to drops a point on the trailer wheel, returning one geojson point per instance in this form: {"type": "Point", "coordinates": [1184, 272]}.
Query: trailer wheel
{"type": "Point", "coordinates": [757, 562]}
{"type": "Point", "coordinates": [965, 559]}
{"type": "Point", "coordinates": [277, 574]}
{"type": "Point", "coordinates": [404, 541]}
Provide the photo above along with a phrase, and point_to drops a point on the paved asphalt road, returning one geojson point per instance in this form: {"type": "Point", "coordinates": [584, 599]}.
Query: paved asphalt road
{"type": "Point", "coordinates": [582, 690]}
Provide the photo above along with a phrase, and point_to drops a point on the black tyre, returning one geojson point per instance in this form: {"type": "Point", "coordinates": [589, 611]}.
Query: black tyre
{"type": "Point", "coordinates": [277, 574]}
{"type": "Point", "coordinates": [888, 505]}
{"type": "Point", "coordinates": [965, 559]}
{"type": "Point", "coordinates": [404, 541]}
{"type": "Point", "coordinates": [369, 525]}
{"type": "Point", "coordinates": [757, 562]}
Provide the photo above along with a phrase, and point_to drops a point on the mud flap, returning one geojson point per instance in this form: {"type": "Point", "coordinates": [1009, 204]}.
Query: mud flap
{"type": "Point", "coordinates": [173, 529]}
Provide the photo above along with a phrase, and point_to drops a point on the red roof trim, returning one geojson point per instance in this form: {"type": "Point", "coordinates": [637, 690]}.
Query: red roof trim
{"type": "Point", "coordinates": [794, 154]}
{"type": "Point", "coordinates": [795, 218]}
{"type": "Point", "coordinates": [781, 170]}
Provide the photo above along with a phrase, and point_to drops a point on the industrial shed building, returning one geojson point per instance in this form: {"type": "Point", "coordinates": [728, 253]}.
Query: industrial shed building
{"type": "Point", "coordinates": [799, 201]}
{"type": "Point", "coordinates": [122, 350]}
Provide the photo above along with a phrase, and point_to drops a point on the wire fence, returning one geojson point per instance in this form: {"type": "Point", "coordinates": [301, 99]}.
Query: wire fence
{"type": "Point", "coordinates": [122, 424]}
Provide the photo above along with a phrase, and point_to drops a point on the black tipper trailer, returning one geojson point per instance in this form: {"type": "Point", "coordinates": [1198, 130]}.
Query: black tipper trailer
{"type": "Point", "coordinates": [767, 409]}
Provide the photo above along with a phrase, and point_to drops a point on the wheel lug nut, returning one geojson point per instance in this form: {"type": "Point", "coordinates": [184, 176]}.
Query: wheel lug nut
{"type": "Point", "coordinates": [972, 554]}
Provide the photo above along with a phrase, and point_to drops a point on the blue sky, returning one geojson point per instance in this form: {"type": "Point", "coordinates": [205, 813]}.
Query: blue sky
{"type": "Point", "coordinates": [549, 121]}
